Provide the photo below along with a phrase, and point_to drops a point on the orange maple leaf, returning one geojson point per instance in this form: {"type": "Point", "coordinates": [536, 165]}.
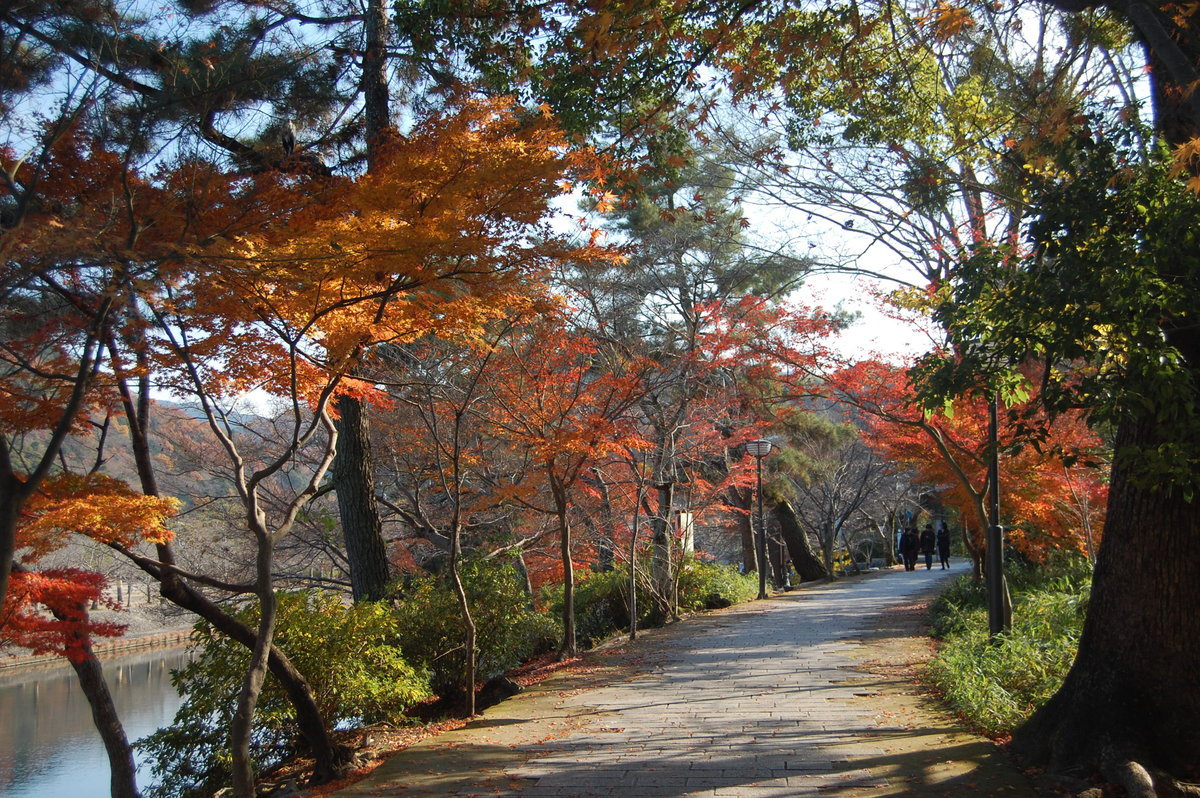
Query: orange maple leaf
{"type": "Point", "coordinates": [98, 506]}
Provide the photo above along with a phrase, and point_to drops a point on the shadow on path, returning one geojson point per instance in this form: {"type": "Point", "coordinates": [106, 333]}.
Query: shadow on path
{"type": "Point", "coordinates": [806, 693]}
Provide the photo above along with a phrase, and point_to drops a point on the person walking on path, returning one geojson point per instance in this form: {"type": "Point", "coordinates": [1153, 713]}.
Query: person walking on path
{"type": "Point", "coordinates": [943, 544]}
{"type": "Point", "coordinates": [927, 545]}
{"type": "Point", "coordinates": [909, 544]}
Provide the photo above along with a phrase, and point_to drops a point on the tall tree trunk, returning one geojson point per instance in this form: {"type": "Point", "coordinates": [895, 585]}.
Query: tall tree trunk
{"type": "Point", "coordinates": [518, 562]}
{"type": "Point", "coordinates": [1131, 694]}
{"type": "Point", "coordinates": [777, 554]}
{"type": "Point", "coordinates": [889, 539]}
{"type": "Point", "coordinates": [374, 84]}
{"type": "Point", "coordinates": [12, 499]}
{"type": "Point", "coordinates": [354, 481]}
{"type": "Point", "coordinates": [808, 565]}
{"type": "Point", "coordinates": [605, 541]}
{"type": "Point", "coordinates": [744, 500]}
{"type": "Point", "coordinates": [828, 541]}
{"type": "Point", "coordinates": [570, 646]}
{"type": "Point", "coordinates": [353, 475]}
{"type": "Point", "coordinates": [634, 534]}
{"type": "Point", "coordinates": [469, 630]}
{"type": "Point", "coordinates": [460, 591]}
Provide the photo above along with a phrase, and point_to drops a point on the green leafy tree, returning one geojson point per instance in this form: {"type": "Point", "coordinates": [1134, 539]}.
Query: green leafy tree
{"type": "Point", "coordinates": [692, 260]}
{"type": "Point", "coordinates": [1108, 288]}
{"type": "Point", "coordinates": [1127, 706]}
{"type": "Point", "coordinates": [350, 655]}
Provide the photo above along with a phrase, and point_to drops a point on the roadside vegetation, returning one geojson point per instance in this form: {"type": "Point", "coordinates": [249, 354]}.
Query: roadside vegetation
{"type": "Point", "coordinates": [372, 664]}
{"type": "Point", "coordinates": [996, 685]}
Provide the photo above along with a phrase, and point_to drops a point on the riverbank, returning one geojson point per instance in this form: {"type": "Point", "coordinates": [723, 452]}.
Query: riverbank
{"type": "Point", "coordinates": [146, 629]}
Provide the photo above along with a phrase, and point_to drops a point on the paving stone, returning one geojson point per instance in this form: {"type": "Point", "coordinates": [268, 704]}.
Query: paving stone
{"type": "Point", "coordinates": [738, 712]}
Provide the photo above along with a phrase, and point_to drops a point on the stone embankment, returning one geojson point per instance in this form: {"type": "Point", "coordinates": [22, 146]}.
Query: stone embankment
{"type": "Point", "coordinates": [105, 649]}
{"type": "Point", "coordinates": [148, 627]}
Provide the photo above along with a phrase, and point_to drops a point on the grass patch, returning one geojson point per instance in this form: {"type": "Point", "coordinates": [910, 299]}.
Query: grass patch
{"type": "Point", "coordinates": [997, 684]}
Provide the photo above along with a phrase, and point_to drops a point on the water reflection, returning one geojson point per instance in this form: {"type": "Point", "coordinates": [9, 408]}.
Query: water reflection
{"type": "Point", "coordinates": [48, 745]}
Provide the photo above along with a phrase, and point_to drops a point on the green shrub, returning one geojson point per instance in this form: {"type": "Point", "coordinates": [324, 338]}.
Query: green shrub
{"type": "Point", "coordinates": [602, 597]}
{"type": "Point", "coordinates": [707, 586]}
{"type": "Point", "coordinates": [1061, 574]}
{"type": "Point", "coordinates": [348, 654]}
{"type": "Point", "coordinates": [601, 605]}
{"type": "Point", "coordinates": [508, 631]}
{"type": "Point", "coordinates": [997, 684]}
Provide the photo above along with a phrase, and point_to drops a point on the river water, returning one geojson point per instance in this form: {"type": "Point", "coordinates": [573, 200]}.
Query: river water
{"type": "Point", "coordinates": [48, 745]}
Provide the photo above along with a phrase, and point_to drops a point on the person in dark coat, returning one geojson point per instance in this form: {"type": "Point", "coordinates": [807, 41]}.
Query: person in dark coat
{"type": "Point", "coordinates": [943, 545]}
{"type": "Point", "coordinates": [909, 544]}
{"type": "Point", "coordinates": [928, 541]}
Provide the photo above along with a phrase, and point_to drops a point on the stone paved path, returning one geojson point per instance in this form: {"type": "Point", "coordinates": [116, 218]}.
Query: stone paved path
{"type": "Point", "coordinates": [757, 701]}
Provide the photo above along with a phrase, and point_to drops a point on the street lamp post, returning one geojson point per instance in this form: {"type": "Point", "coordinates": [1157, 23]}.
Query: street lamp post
{"type": "Point", "coordinates": [999, 612]}
{"type": "Point", "coordinates": [994, 555]}
{"type": "Point", "coordinates": [758, 450]}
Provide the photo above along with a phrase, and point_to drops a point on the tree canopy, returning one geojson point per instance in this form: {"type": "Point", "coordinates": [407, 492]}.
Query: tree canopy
{"type": "Point", "coordinates": [357, 209]}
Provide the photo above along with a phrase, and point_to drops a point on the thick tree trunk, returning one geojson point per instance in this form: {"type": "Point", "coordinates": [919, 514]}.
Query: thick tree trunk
{"type": "Point", "coordinates": [11, 501]}
{"type": "Point", "coordinates": [376, 94]}
{"type": "Point", "coordinates": [662, 567]}
{"type": "Point", "coordinates": [354, 481]}
{"type": "Point", "coordinates": [605, 541]}
{"type": "Point", "coordinates": [744, 500]}
{"type": "Point", "coordinates": [808, 565]}
{"type": "Point", "coordinates": [1131, 694]}
{"type": "Point", "coordinates": [122, 770]}
{"type": "Point", "coordinates": [353, 471]}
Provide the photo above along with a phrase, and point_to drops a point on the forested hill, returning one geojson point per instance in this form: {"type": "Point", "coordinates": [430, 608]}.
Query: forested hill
{"type": "Point", "coordinates": [180, 447]}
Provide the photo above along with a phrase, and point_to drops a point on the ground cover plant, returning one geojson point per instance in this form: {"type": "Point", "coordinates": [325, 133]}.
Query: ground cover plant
{"type": "Point", "coordinates": [601, 605]}
{"type": "Point", "coordinates": [997, 684]}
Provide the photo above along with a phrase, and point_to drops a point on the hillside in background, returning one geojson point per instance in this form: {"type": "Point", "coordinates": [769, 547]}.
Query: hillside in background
{"type": "Point", "coordinates": [186, 462]}
{"type": "Point", "coordinates": [189, 466]}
